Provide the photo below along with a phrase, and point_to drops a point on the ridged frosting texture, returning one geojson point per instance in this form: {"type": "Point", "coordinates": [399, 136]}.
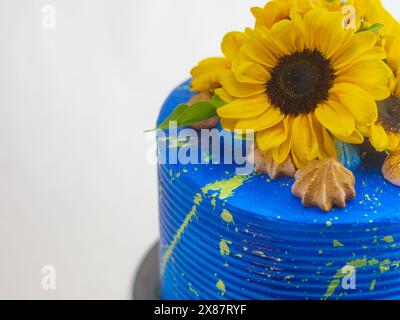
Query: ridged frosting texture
{"type": "Point", "coordinates": [246, 237]}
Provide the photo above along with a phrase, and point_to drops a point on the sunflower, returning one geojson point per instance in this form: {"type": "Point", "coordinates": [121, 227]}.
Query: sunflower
{"type": "Point", "coordinates": [277, 10]}
{"type": "Point", "coordinates": [303, 82]}
{"type": "Point", "coordinates": [368, 12]}
{"type": "Point", "coordinates": [205, 76]}
{"type": "Point", "coordinates": [385, 133]}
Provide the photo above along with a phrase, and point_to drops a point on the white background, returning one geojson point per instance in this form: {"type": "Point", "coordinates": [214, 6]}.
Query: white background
{"type": "Point", "coordinates": [76, 190]}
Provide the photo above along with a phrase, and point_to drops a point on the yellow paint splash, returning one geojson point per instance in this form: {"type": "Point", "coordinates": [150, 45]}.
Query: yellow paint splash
{"type": "Point", "coordinates": [372, 286]}
{"type": "Point", "coordinates": [221, 287]}
{"type": "Point", "coordinates": [194, 291]}
{"type": "Point", "coordinates": [331, 288]}
{"type": "Point", "coordinates": [384, 266]}
{"type": "Point", "coordinates": [227, 216]}
{"type": "Point", "coordinates": [226, 187]}
{"type": "Point", "coordinates": [198, 199]}
{"type": "Point", "coordinates": [224, 247]}
{"type": "Point", "coordinates": [178, 236]}
{"type": "Point", "coordinates": [388, 239]}
{"type": "Point", "coordinates": [328, 224]}
{"type": "Point", "coordinates": [214, 202]}
{"type": "Point", "coordinates": [288, 278]}
{"type": "Point", "coordinates": [336, 282]}
{"type": "Point", "coordinates": [337, 244]}
{"type": "Point", "coordinates": [259, 253]}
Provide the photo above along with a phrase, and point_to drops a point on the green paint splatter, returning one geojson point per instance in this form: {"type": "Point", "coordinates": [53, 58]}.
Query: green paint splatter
{"type": "Point", "coordinates": [177, 238]}
{"type": "Point", "coordinates": [221, 287]}
{"type": "Point", "coordinates": [337, 244]}
{"type": "Point", "coordinates": [331, 288]}
{"type": "Point", "coordinates": [227, 216]}
{"type": "Point", "coordinates": [224, 247]}
{"type": "Point", "coordinates": [198, 199]}
{"type": "Point", "coordinates": [384, 266]}
{"type": "Point", "coordinates": [259, 253]}
{"type": "Point", "coordinates": [335, 282]}
{"type": "Point", "coordinates": [328, 224]}
{"type": "Point", "coordinates": [214, 203]}
{"type": "Point", "coordinates": [373, 262]}
{"type": "Point", "coordinates": [388, 239]}
{"type": "Point", "coordinates": [194, 291]}
{"type": "Point", "coordinates": [226, 188]}
{"type": "Point", "coordinates": [372, 286]}
{"type": "Point", "coordinates": [288, 278]}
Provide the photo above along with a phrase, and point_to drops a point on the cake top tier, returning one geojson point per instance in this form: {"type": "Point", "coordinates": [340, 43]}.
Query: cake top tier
{"type": "Point", "coordinates": [310, 81]}
{"type": "Point", "coordinates": [256, 195]}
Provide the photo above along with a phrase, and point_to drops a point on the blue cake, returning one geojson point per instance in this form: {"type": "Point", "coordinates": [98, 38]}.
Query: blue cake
{"type": "Point", "coordinates": [320, 96]}
{"type": "Point", "coordinates": [246, 237]}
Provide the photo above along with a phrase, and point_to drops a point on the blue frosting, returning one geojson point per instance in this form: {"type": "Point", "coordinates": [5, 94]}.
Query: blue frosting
{"type": "Point", "coordinates": [246, 237]}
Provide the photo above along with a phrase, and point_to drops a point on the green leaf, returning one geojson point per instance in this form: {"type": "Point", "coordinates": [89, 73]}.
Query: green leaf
{"type": "Point", "coordinates": [179, 110]}
{"type": "Point", "coordinates": [197, 112]}
{"type": "Point", "coordinates": [376, 27]}
{"type": "Point", "coordinates": [217, 102]}
{"type": "Point", "coordinates": [172, 117]}
{"type": "Point", "coordinates": [186, 115]}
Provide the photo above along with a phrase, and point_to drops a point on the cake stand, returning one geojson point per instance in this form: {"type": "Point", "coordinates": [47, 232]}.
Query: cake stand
{"type": "Point", "coordinates": [147, 282]}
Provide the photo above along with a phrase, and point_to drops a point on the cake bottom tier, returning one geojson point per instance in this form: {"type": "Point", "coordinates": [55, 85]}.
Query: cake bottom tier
{"type": "Point", "coordinates": [211, 251]}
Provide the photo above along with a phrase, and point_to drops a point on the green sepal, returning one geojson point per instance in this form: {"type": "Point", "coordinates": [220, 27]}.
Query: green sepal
{"type": "Point", "coordinates": [217, 102]}
{"type": "Point", "coordinates": [376, 27]}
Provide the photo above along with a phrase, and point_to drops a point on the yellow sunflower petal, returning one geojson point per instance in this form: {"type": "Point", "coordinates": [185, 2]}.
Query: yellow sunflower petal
{"type": "Point", "coordinates": [359, 102]}
{"type": "Point", "coordinates": [311, 22]}
{"type": "Point", "coordinates": [379, 138]}
{"type": "Point", "coordinates": [329, 33]}
{"type": "Point", "coordinates": [305, 144]}
{"type": "Point", "coordinates": [397, 87]}
{"type": "Point", "coordinates": [261, 48]}
{"type": "Point", "coordinates": [336, 118]}
{"type": "Point", "coordinates": [206, 74]}
{"type": "Point", "coordinates": [221, 93]}
{"type": "Point", "coordinates": [326, 145]}
{"type": "Point", "coordinates": [269, 118]}
{"type": "Point", "coordinates": [272, 137]}
{"type": "Point", "coordinates": [251, 72]}
{"type": "Point", "coordinates": [232, 43]}
{"type": "Point", "coordinates": [371, 75]}
{"type": "Point", "coordinates": [244, 108]}
{"type": "Point", "coordinates": [392, 47]}
{"type": "Point", "coordinates": [281, 152]}
{"type": "Point", "coordinates": [361, 43]}
{"type": "Point", "coordinates": [394, 142]}
{"type": "Point", "coordinates": [355, 138]}
{"type": "Point", "coordinates": [288, 37]}
{"type": "Point", "coordinates": [272, 12]}
{"type": "Point", "coordinates": [238, 89]}
{"type": "Point", "coordinates": [228, 124]}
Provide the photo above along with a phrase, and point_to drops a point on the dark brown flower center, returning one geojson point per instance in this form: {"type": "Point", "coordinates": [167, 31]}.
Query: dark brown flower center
{"type": "Point", "coordinates": [389, 114]}
{"type": "Point", "coordinates": [300, 82]}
